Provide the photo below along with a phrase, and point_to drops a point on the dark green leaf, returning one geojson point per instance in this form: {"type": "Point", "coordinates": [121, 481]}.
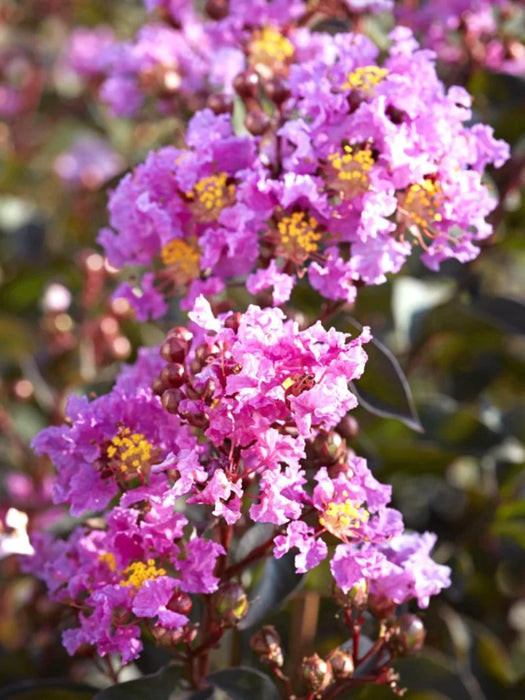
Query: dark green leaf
{"type": "Point", "coordinates": [506, 314]}
{"type": "Point", "coordinates": [245, 684]}
{"type": "Point", "coordinates": [278, 581]}
{"type": "Point", "coordinates": [50, 689]}
{"type": "Point", "coordinates": [384, 390]}
{"type": "Point", "coordinates": [431, 671]}
{"type": "Point", "coordinates": [161, 686]}
{"type": "Point", "coordinates": [254, 537]}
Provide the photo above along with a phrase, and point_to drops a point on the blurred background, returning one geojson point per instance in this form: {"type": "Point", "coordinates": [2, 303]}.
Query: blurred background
{"type": "Point", "coordinates": [457, 334]}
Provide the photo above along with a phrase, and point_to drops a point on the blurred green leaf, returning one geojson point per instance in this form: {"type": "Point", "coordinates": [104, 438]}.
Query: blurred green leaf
{"type": "Point", "coordinates": [257, 535]}
{"type": "Point", "coordinates": [277, 582]}
{"type": "Point", "coordinates": [51, 689]}
{"type": "Point", "coordinates": [161, 686]}
{"type": "Point", "coordinates": [245, 684]}
{"type": "Point", "coordinates": [383, 389]}
{"type": "Point", "coordinates": [505, 314]}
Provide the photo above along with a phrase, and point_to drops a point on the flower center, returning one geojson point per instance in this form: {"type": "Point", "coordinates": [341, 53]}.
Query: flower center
{"type": "Point", "coordinates": [299, 236]}
{"type": "Point", "coordinates": [269, 47]}
{"type": "Point", "coordinates": [210, 196]}
{"type": "Point", "coordinates": [351, 169]}
{"type": "Point", "coordinates": [419, 205]}
{"type": "Point", "coordinates": [365, 78]}
{"type": "Point", "coordinates": [183, 257]}
{"type": "Point", "coordinates": [130, 453]}
{"type": "Point", "coordinates": [109, 559]}
{"type": "Point", "coordinates": [342, 519]}
{"type": "Point", "coordinates": [139, 572]}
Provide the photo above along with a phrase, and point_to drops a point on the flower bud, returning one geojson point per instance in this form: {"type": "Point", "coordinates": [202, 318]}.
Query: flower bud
{"type": "Point", "coordinates": [348, 427]}
{"type": "Point", "coordinates": [166, 637]}
{"type": "Point", "coordinates": [277, 90]}
{"type": "Point", "coordinates": [173, 375]}
{"type": "Point", "coordinates": [230, 603]}
{"type": "Point", "coordinates": [180, 602]}
{"type": "Point", "coordinates": [356, 598]}
{"type": "Point", "coordinates": [246, 84]}
{"type": "Point", "coordinates": [171, 399]}
{"type": "Point", "coordinates": [257, 122]}
{"type": "Point", "coordinates": [174, 349]}
{"type": "Point", "coordinates": [381, 607]}
{"type": "Point", "coordinates": [220, 103]}
{"type": "Point", "coordinates": [327, 448]}
{"type": "Point", "coordinates": [408, 635]}
{"type": "Point", "coordinates": [342, 663]}
{"type": "Point", "coordinates": [217, 9]}
{"type": "Point", "coordinates": [233, 321]}
{"type": "Point", "coordinates": [316, 673]}
{"type": "Point", "coordinates": [266, 643]}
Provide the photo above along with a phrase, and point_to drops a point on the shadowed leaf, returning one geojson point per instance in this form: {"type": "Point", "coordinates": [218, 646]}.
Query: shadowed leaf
{"type": "Point", "coordinates": [277, 582]}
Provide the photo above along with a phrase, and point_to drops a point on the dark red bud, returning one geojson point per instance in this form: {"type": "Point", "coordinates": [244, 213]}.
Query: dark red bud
{"type": "Point", "coordinates": [173, 375]}
{"type": "Point", "coordinates": [180, 602]}
{"type": "Point", "coordinates": [342, 663]}
{"type": "Point", "coordinates": [246, 84]}
{"type": "Point", "coordinates": [257, 122]}
{"type": "Point", "coordinates": [316, 673]}
{"type": "Point", "coordinates": [411, 635]}
{"type": "Point", "coordinates": [233, 321]}
{"type": "Point", "coordinates": [157, 386]}
{"type": "Point", "coordinates": [171, 399]}
{"type": "Point", "coordinates": [277, 90]}
{"type": "Point", "coordinates": [174, 349]}
{"type": "Point", "coordinates": [217, 9]}
{"type": "Point", "coordinates": [220, 104]}
{"type": "Point", "coordinates": [266, 643]}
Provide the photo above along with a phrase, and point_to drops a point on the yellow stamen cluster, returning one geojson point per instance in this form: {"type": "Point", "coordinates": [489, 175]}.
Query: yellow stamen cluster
{"type": "Point", "coordinates": [299, 236]}
{"type": "Point", "coordinates": [183, 257]}
{"type": "Point", "coordinates": [269, 47]}
{"type": "Point", "coordinates": [342, 519]}
{"type": "Point", "coordinates": [421, 202]}
{"type": "Point", "coordinates": [139, 572]}
{"type": "Point", "coordinates": [352, 167]}
{"type": "Point", "coordinates": [131, 450]}
{"type": "Point", "coordinates": [109, 559]}
{"type": "Point", "coordinates": [365, 78]}
{"type": "Point", "coordinates": [211, 195]}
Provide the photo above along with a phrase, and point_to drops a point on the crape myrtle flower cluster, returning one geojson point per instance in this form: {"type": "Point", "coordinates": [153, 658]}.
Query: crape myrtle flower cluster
{"type": "Point", "coordinates": [233, 417]}
{"type": "Point", "coordinates": [361, 163]}
{"type": "Point", "coordinates": [481, 32]}
{"type": "Point", "coordinates": [308, 158]}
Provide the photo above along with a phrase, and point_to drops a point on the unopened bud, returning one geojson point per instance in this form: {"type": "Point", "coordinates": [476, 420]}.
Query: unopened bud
{"type": "Point", "coordinates": [174, 349]}
{"type": "Point", "coordinates": [348, 427]}
{"type": "Point", "coordinates": [342, 664]}
{"type": "Point", "coordinates": [355, 598]}
{"type": "Point", "coordinates": [166, 637]}
{"type": "Point", "coordinates": [230, 603]}
{"type": "Point", "coordinates": [277, 90]}
{"type": "Point", "coordinates": [233, 321]}
{"type": "Point", "coordinates": [408, 636]}
{"type": "Point", "coordinates": [217, 9]}
{"type": "Point", "coordinates": [266, 643]}
{"type": "Point", "coordinates": [220, 103]}
{"type": "Point", "coordinates": [328, 448]}
{"type": "Point", "coordinates": [180, 602]}
{"type": "Point", "coordinates": [257, 122]}
{"type": "Point", "coordinates": [246, 84]}
{"type": "Point", "coordinates": [171, 399]}
{"type": "Point", "coordinates": [316, 673]}
{"type": "Point", "coordinates": [381, 607]}
{"type": "Point", "coordinates": [173, 375]}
